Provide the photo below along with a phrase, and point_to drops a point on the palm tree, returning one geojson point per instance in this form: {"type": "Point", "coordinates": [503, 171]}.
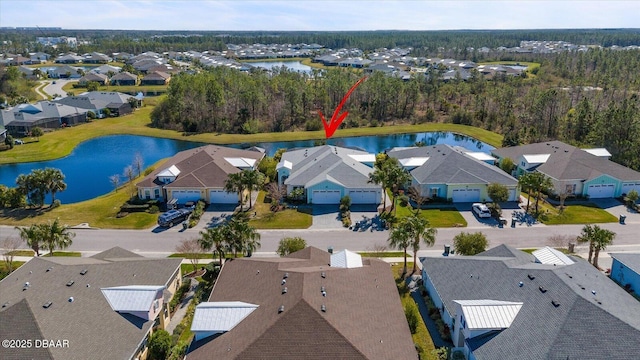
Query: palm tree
{"type": "Point", "coordinates": [399, 238]}
{"type": "Point", "coordinates": [234, 183]}
{"type": "Point", "coordinates": [540, 184]}
{"type": "Point", "coordinates": [598, 239]}
{"type": "Point", "coordinates": [417, 229]}
{"type": "Point", "coordinates": [54, 179]}
{"type": "Point", "coordinates": [216, 239]}
{"type": "Point", "coordinates": [252, 180]}
{"type": "Point", "coordinates": [32, 236]}
{"type": "Point", "coordinates": [378, 176]}
{"type": "Point", "coordinates": [525, 182]}
{"type": "Point", "coordinates": [243, 237]}
{"type": "Point", "coordinates": [397, 177]}
{"type": "Point", "coordinates": [56, 235]}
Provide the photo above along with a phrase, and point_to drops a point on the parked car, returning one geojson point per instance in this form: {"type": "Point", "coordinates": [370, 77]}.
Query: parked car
{"type": "Point", "coordinates": [173, 217]}
{"type": "Point", "coordinates": [481, 210]}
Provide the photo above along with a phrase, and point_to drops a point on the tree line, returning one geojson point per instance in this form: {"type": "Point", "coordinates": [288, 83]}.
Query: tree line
{"type": "Point", "coordinates": [32, 189]}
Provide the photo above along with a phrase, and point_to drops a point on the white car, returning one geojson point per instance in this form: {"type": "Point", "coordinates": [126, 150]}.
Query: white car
{"type": "Point", "coordinates": [481, 210]}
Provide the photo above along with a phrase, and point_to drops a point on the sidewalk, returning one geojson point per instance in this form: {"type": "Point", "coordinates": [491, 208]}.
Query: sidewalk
{"type": "Point", "coordinates": [182, 308]}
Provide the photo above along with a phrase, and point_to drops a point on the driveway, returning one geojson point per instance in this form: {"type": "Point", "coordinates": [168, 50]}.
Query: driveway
{"type": "Point", "coordinates": [56, 89]}
{"type": "Point", "coordinates": [616, 208]}
{"type": "Point", "coordinates": [328, 216]}
{"type": "Point", "coordinates": [510, 210]}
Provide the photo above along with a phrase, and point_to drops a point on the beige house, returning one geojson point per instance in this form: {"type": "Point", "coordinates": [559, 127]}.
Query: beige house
{"type": "Point", "coordinates": [198, 174]}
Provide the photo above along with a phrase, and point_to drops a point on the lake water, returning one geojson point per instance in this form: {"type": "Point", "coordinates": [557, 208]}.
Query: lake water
{"type": "Point", "coordinates": [89, 166]}
{"type": "Point", "coordinates": [291, 65]}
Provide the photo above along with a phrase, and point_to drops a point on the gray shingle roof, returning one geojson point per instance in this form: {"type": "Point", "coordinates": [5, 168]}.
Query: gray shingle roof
{"type": "Point", "coordinates": [568, 162]}
{"type": "Point", "coordinates": [596, 319]}
{"type": "Point", "coordinates": [448, 165]}
{"type": "Point", "coordinates": [316, 164]}
{"type": "Point", "coordinates": [93, 329]}
{"type": "Point", "coordinates": [363, 319]}
{"type": "Point", "coordinates": [94, 100]}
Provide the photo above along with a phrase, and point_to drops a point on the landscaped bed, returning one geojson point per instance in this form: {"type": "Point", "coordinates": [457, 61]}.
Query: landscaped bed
{"type": "Point", "coordinates": [286, 219]}
{"type": "Point", "coordinates": [578, 214]}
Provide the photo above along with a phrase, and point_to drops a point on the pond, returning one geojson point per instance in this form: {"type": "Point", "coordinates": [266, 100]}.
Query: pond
{"type": "Point", "coordinates": [291, 65]}
{"type": "Point", "coordinates": [89, 166]}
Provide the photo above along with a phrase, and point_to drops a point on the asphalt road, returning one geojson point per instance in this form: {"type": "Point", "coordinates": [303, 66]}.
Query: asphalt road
{"type": "Point", "coordinates": [150, 243]}
{"type": "Point", "coordinates": [53, 89]}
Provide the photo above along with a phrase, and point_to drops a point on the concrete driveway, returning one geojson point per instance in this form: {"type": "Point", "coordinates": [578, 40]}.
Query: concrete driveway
{"type": "Point", "coordinates": [328, 216]}
{"type": "Point", "coordinates": [616, 208]}
{"type": "Point", "coordinates": [56, 89]}
{"type": "Point", "coordinates": [509, 210]}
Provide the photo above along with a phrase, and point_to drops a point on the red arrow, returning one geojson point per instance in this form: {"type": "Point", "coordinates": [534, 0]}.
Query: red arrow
{"type": "Point", "coordinates": [337, 118]}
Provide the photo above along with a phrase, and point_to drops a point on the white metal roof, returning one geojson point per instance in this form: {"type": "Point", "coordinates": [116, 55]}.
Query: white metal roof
{"type": "Point", "coordinates": [536, 158]}
{"type": "Point", "coordinates": [489, 314]}
{"type": "Point", "coordinates": [171, 171]}
{"type": "Point", "coordinates": [284, 164]}
{"type": "Point", "coordinates": [370, 158]}
{"type": "Point", "coordinates": [548, 255]}
{"type": "Point", "coordinates": [413, 161]}
{"type": "Point", "coordinates": [131, 297]}
{"type": "Point", "coordinates": [241, 162]}
{"type": "Point", "coordinates": [481, 156]}
{"type": "Point", "coordinates": [220, 316]}
{"type": "Point", "coordinates": [599, 152]}
{"type": "Point", "coordinates": [346, 259]}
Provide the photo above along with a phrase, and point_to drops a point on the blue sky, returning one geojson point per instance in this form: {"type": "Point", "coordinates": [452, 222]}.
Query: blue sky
{"type": "Point", "coordinates": [319, 15]}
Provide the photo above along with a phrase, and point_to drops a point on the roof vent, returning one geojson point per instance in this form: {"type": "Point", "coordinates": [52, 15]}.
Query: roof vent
{"type": "Point", "coordinates": [71, 299]}
{"type": "Point", "coordinates": [49, 268]}
{"type": "Point", "coordinates": [284, 290]}
{"type": "Point", "coordinates": [323, 274]}
{"type": "Point", "coordinates": [593, 292]}
{"type": "Point", "coordinates": [570, 277]}
{"type": "Point", "coordinates": [47, 304]}
{"type": "Point", "coordinates": [5, 304]}
{"type": "Point", "coordinates": [542, 289]}
{"type": "Point", "coordinates": [281, 309]}
{"type": "Point", "coordinates": [531, 277]}
{"type": "Point", "coordinates": [520, 284]}
{"type": "Point", "coordinates": [84, 271]}
{"type": "Point", "coordinates": [88, 285]}
{"type": "Point", "coordinates": [70, 283]}
{"type": "Point", "coordinates": [322, 289]}
{"type": "Point", "coordinates": [284, 281]}
{"type": "Point", "coordinates": [555, 303]}
{"type": "Point", "coordinates": [286, 276]}
{"type": "Point", "coordinates": [26, 286]}
{"type": "Point", "coordinates": [323, 307]}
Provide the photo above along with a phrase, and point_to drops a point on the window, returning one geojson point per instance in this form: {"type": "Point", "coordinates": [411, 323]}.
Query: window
{"type": "Point", "coordinates": [523, 164]}
{"type": "Point", "coordinates": [147, 194]}
{"type": "Point", "coordinates": [569, 189]}
{"type": "Point", "coordinates": [156, 193]}
{"type": "Point", "coordinates": [434, 192]}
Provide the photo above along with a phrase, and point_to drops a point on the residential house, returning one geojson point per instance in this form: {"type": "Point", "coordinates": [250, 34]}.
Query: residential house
{"type": "Point", "coordinates": [3, 134]}
{"type": "Point", "coordinates": [625, 270]}
{"type": "Point", "coordinates": [165, 68]}
{"type": "Point", "coordinates": [116, 297]}
{"type": "Point", "coordinates": [198, 174]}
{"type": "Point", "coordinates": [97, 101]}
{"type": "Point", "coordinates": [124, 78]}
{"type": "Point", "coordinates": [354, 62]}
{"type": "Point", "coordinates": [28, 72]}
{"type": "Point", "coordinates": [18, 60]}
{"type": "Point", "coordinates": [64, 72]}
{"type": "Point", "coordinates": [44, 114]}
{"type": "Point", "coordinates": [327, 173]}
{"type": "Point", "coordinates": [451, 173]}
{"type": "Point", "coordinates": [573, 171]}
{"type": "Point", "coordinates": [145, 64]}
{"type": "Point", "coordinates": [106, 69]}
{"type": "Point", "coordinates": [156, 78]}
{"type": "Point", "coordinates": [308, 305]}
{"type": "Point", "coordinates": [70, 58]}
{"type": "Point", "coordinates": [96, 58]}
{"type": "Point", "coordinates": [123, 56]}
{"type": "Point", "coordinates": [93, 77]}
{"type": "Point", "coordinates": [507, 304]}
{"type": "Point", "coordinates": [39, 57]}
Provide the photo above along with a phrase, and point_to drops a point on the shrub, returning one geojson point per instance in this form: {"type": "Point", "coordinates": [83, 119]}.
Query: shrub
{"type": "Point", "coordinates": [177, 297]}
{"type": "Point", "coordinates": [412, 316]}
{"type": "Point", "coordinates": [56, 203]}
{"type": "Point", "coordinates": [154, 209]}
{"type": "Point", "coordinates": [159, 345]}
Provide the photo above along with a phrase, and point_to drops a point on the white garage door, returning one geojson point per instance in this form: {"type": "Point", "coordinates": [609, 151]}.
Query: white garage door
{"type": "Point", "coordinates": [601, 191]}
{"type": "Point", "coordinates": [223, 197]}
{"type": "Point", "coordinates": [186, 195]}
{"type": "Point", "coordinates": [513, 195]}
{"type": "Point", "coordinates": [364, 197]}
{"type": "Point", "coordinates": [630, 186]}
{"type": "Point", "coordinates": [466, 195]}
{"type": "Point", "coordinates": [326, 197]}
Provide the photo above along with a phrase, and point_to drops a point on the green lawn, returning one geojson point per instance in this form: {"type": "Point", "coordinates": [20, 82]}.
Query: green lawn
{"type": "Point", "coordinates": [65, 254]}
{"type": "Point", "coordinates": [4, 269]}
{"type": "Point", "coordinates": [438, 218]}
{"type": "Point", "coordinates": [187, 256]}
{"type": "Point", "coordinates": [22, 253]}
{"type": "Point", "coordinates": [287, 219]}
{"type": "Point", "coordinates": [68, 87]}
{"type": "Point", "coordinates": [421, 337]}
{"type": "Point", "coordinates": [578, 214]}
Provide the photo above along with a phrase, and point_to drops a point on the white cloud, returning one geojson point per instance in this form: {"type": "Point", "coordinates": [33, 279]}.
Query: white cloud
{"type": "Point", "coordinates": [319, 15]}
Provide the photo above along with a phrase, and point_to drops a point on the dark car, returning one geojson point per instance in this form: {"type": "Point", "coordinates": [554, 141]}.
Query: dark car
{"type": "Point", "coordinates": [173, 217]}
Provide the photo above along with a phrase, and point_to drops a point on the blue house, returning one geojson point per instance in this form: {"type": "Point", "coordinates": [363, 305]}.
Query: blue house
{"type": "Point", "coordinates": [625, 270]}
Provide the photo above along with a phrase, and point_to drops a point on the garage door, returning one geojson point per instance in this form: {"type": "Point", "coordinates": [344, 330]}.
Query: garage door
{"type": "Point", "coordinates": [513, 195]}
{"type": "Point", "coordinates": [185, 195]}
{"type": "Point", "coordinates": [630, 186]}
{"type": "Point", "coordinates": [326, 197]}
{"type": "Point", "coordinates": [466, 195]}
{"type": "Point", "coordinates": [601, 191]}
{"type": "Point", "coordinates": [364, 197]}
{"type": "Point", "coordinates": [223, 197]}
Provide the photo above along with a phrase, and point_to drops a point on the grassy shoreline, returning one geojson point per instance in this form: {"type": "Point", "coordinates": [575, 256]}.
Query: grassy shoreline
{"type": "Point", "coordinates": [61, 142]}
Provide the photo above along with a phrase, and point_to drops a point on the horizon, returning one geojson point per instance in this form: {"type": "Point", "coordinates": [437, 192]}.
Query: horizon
{"type": "Point", "coordinates": [320, 16]}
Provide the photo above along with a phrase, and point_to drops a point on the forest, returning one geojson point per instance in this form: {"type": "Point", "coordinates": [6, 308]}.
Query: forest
{"type": "Point", "coordinates": [585, 98]}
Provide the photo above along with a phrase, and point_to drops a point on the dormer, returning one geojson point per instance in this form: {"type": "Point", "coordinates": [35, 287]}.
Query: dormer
{"type": "Point", "coordinates": [241, 163]}
{"type": "Point", "coordinates": [412, 162]}
{"type": "Point", "coordinates": [168, 175]}
{"type": "Point", "coordinates": [531, 161]}
{"type": "Point", "coordinates": [142, 301]}
{"type": "Point", "coordinates": [211, 318]}
{"type": "Point", "coordinates": [477, 317]}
